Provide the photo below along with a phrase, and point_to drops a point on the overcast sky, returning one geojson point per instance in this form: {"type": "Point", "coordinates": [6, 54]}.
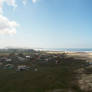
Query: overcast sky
{"type": "Point", "coordinates": [46, 23]}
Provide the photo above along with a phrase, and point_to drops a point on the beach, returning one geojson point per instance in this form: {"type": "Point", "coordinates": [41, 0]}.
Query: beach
{"type": "Point", "coordinates": [80, 55]}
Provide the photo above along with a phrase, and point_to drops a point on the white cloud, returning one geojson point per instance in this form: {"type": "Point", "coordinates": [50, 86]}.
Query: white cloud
{"type": "Point", "coordinates": [1, 11]}
{"type": "Point", "coordinates": [12, 3]}
{"type": "Point", "coordinates": [7, 26]}
{"type": "Point", "coordinates": [24, 2]}
{"type": "Point", "coordinates": [9, 2]}
{"type": "Point", "coordinates": [1, 4]}
{"type": "Point", "coordinates": [34, 1]}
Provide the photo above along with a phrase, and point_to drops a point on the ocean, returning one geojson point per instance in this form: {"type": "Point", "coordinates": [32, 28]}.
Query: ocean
{"type": "Point", "coordinates": [66, 49]}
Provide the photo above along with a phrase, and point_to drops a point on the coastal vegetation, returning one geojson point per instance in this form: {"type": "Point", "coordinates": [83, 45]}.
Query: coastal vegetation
{"type": "Point", "coordinates": [47, 72]}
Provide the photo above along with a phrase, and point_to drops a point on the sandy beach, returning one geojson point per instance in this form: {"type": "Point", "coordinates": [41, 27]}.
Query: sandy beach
{"type": "Point", "coordinates": [79, 55]}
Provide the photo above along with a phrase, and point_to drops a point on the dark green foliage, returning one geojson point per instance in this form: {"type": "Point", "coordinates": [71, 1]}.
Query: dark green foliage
{"type": "Point", "coordinates": [48, 78]}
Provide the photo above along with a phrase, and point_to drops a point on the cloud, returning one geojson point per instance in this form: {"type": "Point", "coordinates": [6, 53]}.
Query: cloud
{"type": "Point", "coordinates": [34, 1]}
{"type": "Point", "coordinates": [1, 11]}
{"type": "Point", "coordinates": [7, 26]}
{"type": "Point", "coordinates": [12, 3]}
{"type": "Point", "coordinates": [24, 2]}
{"type": "Point", "coordinates": [9, 3]}
{"type": "Point", "coordinates": [1, 5]}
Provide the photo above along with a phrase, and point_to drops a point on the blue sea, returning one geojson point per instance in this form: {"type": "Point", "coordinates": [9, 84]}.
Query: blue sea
{"type": "Point", "coordinates": [67, 49]}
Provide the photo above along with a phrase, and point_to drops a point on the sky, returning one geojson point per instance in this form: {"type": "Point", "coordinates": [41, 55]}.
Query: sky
{"type": "Point", "coordinates": [46, 23]}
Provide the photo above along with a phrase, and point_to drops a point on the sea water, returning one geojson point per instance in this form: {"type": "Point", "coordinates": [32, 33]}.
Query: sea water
{"type": "Point", "coordinates": [66, 49]}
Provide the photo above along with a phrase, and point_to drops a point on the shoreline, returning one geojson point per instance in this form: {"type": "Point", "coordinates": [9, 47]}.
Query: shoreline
{"type": "Point", "coordinates": [79, 55]}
